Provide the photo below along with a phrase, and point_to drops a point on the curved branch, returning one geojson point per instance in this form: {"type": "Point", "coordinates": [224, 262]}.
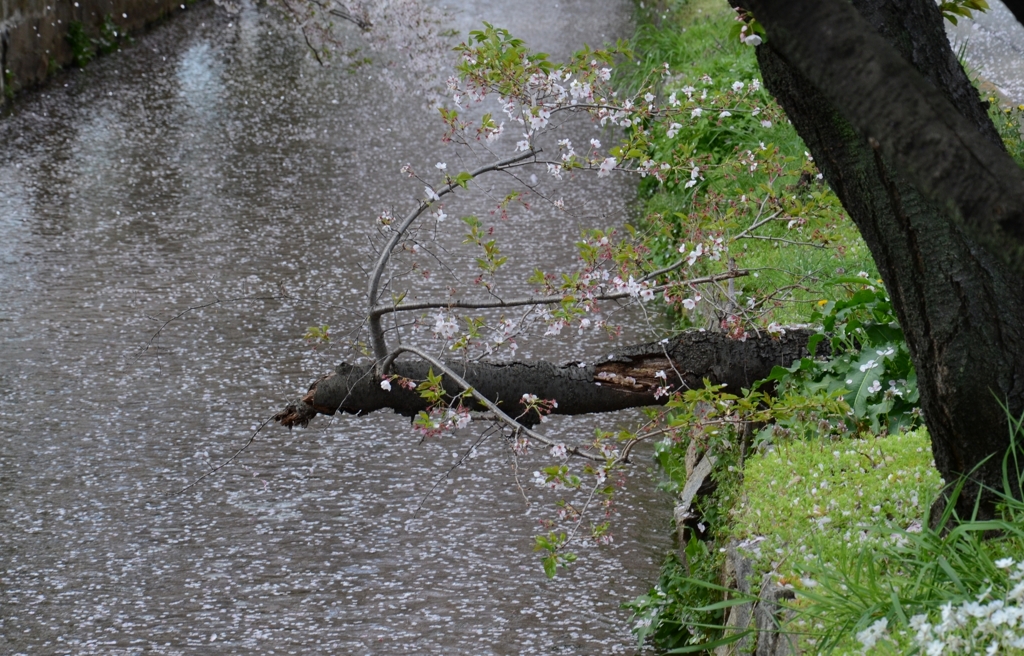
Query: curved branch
{"type": "Point", "coordinates": [379, 345]}
{"type": "Point", "coordinates": [757, 224]}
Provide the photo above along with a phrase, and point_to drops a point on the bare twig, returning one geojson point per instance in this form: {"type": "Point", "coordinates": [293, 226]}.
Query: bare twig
{"type": "Point", "coordinates": [224, 464]}
{"type": "Point", "coordinates": [552, 299]}
{"type": "Point", "coordinates": [380, 349]}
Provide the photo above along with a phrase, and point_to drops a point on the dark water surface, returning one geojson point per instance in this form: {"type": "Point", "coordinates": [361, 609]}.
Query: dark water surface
{"type": "Point", "coordinates": [211, 161]}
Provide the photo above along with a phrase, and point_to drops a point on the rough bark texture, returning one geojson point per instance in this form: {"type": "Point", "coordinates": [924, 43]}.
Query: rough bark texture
{"type": "Point", "coordinates": [623, 380]}
{"type": "Point", "coordinates": [902, 89]}
{"type": "Point", "coordinates": [959, 302]}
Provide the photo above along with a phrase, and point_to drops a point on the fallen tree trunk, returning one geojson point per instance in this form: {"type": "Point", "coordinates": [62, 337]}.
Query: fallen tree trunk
{"type": "Point", "coordinates": [627, 379]}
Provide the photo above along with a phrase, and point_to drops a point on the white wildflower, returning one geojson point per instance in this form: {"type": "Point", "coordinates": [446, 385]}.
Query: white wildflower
{"type": "Point", "coordinates": [869, 636]}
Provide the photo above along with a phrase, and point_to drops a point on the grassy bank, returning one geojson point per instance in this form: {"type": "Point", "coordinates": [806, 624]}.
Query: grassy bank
{"type": "Point", "coordinates": [826, 485]}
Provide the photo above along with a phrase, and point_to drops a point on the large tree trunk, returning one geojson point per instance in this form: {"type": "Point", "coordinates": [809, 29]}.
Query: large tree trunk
{"type": "Point", "coordinates": [624, 380]}
{"type": "Point", "coordinates": [949, 254]}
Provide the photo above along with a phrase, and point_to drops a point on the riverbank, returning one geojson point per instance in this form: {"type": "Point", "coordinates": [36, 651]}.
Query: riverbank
{"type": "Point", "coordinates": [803, 525]}
{"type": "Point", "coordinates": [38, 38]}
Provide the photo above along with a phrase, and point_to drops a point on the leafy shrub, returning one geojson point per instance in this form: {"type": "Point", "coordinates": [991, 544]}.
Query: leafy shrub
{"type": "Point", "coordinates": [82, 50]}
{"type": "Point", "coordinates": [870, 366]}
{"type": "Point", "coordinates": [85, 48]}
{"type": "Point", "coordinates": [681, 609]}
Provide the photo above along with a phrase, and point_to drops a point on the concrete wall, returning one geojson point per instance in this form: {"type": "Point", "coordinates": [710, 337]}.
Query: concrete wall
{"type": "Point", "coordinates": [33, 33]}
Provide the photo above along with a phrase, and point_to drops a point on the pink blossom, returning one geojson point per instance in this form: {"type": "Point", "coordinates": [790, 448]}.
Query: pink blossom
{"type": "Point", "coordinates": [539, 118]}
{"type": "Point", "coordinates": [445, 327]}
{"type": "Point", "coordinates": [493, 134]}
{"type": "Point", "coordinates": [695, 254]}
{"type": "Point", "coordinates": [606, 167]}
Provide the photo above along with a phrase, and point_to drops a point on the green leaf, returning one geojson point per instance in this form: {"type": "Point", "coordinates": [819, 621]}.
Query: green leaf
{"type": "Point", "coordinates": [714, 644]}
{"type": "Point", "coordinates": [728, 603]}
{"type": "Point", "coordinates": [857, 382]}
{"type": "Point", "coordinates": [550, 566]}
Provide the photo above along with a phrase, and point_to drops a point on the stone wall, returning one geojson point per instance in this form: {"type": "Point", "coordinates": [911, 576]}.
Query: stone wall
{"type": "Point", "coordinates": [34, 33]}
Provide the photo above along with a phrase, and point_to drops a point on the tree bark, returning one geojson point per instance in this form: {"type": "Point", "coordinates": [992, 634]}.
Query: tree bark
{"type": "Point", "coordinates": [938, 202]}
{"type": "Point", "coordinates": [623, 380]}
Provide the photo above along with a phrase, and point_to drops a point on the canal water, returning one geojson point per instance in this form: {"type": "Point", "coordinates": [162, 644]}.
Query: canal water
{"type": "Point", "coordinates": [213, 165]}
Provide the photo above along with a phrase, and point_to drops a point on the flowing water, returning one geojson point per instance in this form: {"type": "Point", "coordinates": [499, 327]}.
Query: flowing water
{"type": "Point", "coordinates": [210, 163]}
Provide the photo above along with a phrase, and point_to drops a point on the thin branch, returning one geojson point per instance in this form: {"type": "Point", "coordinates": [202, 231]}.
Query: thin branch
{"type": "Point", "coordinates": [224, 464]}
{"type": "Point", "coordinates": [459, 463]}
{"type": "Point", "coordinates": [581, 513]}
{"type": "Point", "coordinates": [553, 299]}
{"type": "Point", "coordinates": [786, 241]}
{"type": "Point", "coordinates": [756, 225]}
{"type": "Point", "coordinates": [380, 349]}
{"type": "Point", "coordinates": [312, 48]}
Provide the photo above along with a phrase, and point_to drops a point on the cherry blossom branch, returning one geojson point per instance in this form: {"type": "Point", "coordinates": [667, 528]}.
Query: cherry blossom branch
{"type": "Point", "coordinates": [483, 400]}
{"type": "Point", "coordinates": [582, 514]}
{"type": "Point", "coordinates": [786, 241]}
{"type": "Point", "coordinates": [554, 299]}
{"type": "Point", "coordinates": [377, 341]}
{"type": "Point", "coordinates": [757, 224]}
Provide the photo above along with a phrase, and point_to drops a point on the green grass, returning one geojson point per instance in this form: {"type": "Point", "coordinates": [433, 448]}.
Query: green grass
{"type": "Point", "coordinates": [948, 584]}
{"type": "Point", "coordinates": [693, 39]}
{"type": "Point", "coordinates": [843, 521]}
{"type": "Point", "coordinates": [812, 494]}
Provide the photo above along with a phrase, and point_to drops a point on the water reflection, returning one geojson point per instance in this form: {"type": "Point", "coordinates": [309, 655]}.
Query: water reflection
{"type": "Point", "coordinates": [214, 161]}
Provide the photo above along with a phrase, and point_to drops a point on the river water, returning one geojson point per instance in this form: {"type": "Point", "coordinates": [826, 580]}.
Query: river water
{"type": "Point", "coordinates": [212, 161]}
